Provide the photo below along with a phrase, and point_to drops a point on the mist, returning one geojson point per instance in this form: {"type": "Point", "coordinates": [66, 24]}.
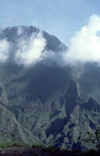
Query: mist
{"type": "Point", "coordinates": [30, 50]}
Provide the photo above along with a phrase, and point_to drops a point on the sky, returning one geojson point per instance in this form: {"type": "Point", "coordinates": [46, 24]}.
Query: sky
{"type": "Point", "coordinates": [61, 18]}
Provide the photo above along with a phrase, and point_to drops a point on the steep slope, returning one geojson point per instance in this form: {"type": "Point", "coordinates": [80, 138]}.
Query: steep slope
{"type": "Point", "coordinates": [30, 91]}
{"type": "Point", "coordinates": [83, 118]}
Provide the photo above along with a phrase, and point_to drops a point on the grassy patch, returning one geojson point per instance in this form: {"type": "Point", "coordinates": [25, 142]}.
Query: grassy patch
{"type": "Point", "coordinates": [11, 144]}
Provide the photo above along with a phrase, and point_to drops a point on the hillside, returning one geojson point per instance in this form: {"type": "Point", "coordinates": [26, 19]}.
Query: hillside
{"type": "Point", "coordinates": [44, 101]}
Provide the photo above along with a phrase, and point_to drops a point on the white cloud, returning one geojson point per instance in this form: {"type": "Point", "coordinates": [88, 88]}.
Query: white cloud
{"type": "Point", "coordinates": [30, 50]}
{"type": "Point", "coordinates": [85, 45]}
{"type": "Point", "coordinates": [4, 50]}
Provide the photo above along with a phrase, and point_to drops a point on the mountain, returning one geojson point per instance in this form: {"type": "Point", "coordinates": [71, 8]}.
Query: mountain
{"type": "Point", "coordinates": [44, 101]}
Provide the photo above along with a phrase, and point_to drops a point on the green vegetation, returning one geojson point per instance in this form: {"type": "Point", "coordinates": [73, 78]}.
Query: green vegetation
{"type": "Point", "coordinates": [46, 103]}
{"type": "Point", "coordinates": [11, 144]}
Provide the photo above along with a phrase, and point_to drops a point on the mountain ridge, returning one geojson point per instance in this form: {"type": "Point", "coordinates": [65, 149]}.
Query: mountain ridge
{"type": "Point", "coordinates": [49, 103]}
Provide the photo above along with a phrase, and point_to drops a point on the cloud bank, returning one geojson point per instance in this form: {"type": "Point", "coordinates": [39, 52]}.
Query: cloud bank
{"type": "Point", "coordinates": [85, 45]}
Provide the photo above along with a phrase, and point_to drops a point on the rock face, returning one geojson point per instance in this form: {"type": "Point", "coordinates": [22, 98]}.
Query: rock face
{"type": "Point", "coordinates": [45, 102]}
